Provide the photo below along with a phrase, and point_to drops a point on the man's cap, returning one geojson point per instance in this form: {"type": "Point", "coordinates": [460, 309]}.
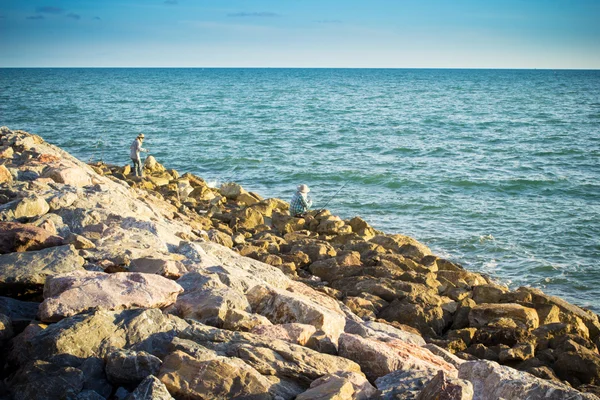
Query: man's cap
{"type": "Point", "coordinates": [141, 135]}
{"type": "Point", "coordinates": [303, 189]}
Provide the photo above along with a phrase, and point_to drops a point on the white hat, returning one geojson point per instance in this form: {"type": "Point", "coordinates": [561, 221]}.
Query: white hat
{"type": "Point", "coordinates": [141, 135]}
{"type": "Point", "coordinates": [303, 189]}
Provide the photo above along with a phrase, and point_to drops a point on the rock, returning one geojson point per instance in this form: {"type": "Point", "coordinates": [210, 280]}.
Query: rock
{"type": "Point", "coordinates": [62, 199]}
{"type": "Point", "coordinates": [89, 395]}
{"type": "Point", "coordinates": [443, 387]}
{"type": "Point", "coordinates": [519, 352]}
{"type": "Point", "coordinates": [548, 313]}
{"type": "Point", "coordinates": [22, 273]}
{"type": "Point", "coordinates": [401, 244]}
{"type": "Point", "coordinates": [315, 249]}
{"type": "Point", "coordinates": [293, 333]}
{"type": "Point", "coordinates": [151, 388]}
{"type": "Point", "coordinates": [493, 381]}
{"type": "Point", "coordinates": [96, 334]}
{"type": "Point", "coordinates": [26, 208]}
{"type": "Point", "coordinates": [73, 176]}
{"type": "Point", "coordinates": [231, 190]}
{"type": "Point", "coordinates": [45, 380]}
{"type": "Point", "coordinates": [72, 293]}
{"type": "Point", "coordinates": [151, 165]}
{"type": "Point", "coordinates": [362, 228]}
{"type": "Point", "coordinates": [286, 224]}
{"type": "Point", "coordinates": [341, 385]}
{"type": "Point", "coordinates": [378, 359]}
{"type": "Point", "coordinates": [445, 354]}
{"type": "Point", "coordinates": [575, 363]}
{"type": "Point", "coordinates": [488, 293]}
{"type": "Point", "coordinates": [483, 314]}
{"type": "Point", "coordinates": [6, 329]}
{"type": "Point", "coordinates": [22, 237]}
{"type": "Point", "coordinates": [238, 320]}
{"type": "Point", "coordinates": [402, 384]}
{"type": "Point", "coordinates": [220, 238]}
{"type": "Point", "coordinates": [429, 320]}
{"type": "Point", "coordinates": [220, 378]}
{"type": "Point", "coordinates": [5, 175]}
{"type": "Point", "coordinates": [207, 300]}
{"type": "Point", "coordinates": [171, 269]}
{"type": "Point", "coordinates": [566, 310]}
{"type": "Point", "coordinates": [125, 367]}
{"type": "Point", "coordinates": [20, 313]}
{"type": "Point", "coordinates": [247, 218]}
{"type": "Point", "coordinates": [281, 306]}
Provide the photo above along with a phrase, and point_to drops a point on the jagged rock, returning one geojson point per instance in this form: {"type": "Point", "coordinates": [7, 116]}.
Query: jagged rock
{"type": "Point", "coordinates": [577, 364]}
{"type": "Point", "coordinates": [89, 395]}
{"type": "Point", "coordinates": [344, 265]}
{"type": "Point", "coordinates": [72, 293]}
{"type": "Point", "coordinates": [20, 313]}
{"type": "Point", "coordinates": [247, 218]}
{"type": "Point", "coordinates": [362, 228]}
{"type": "Point", "coordinates": [95, 334]}
{"type": "Point", "coordinates": [444, 354]}
{"type": "Point", "coordinates": [63, 199]}
{"type": "Point", "coordinates": [493, 381]}
{"type": "Point", "coordinates": [378, 359]}
{"type": "Point", "coordinates": [44, 380]}
{"type": "Point", "coordinates": [23, 237]}
{"type": "Point", "coordinates": [483, 314]}
{"type": "Point", "coordinates": [429, 320]}
{"type": "Point", "coordinates": [488, 293]}
{"type": "Point", "coordinates": [402, 384]}
{"type": "Point", "coordinates": [220, 238]}
{"type": "Point", "coordinates": [151, 165]}
{"type": "Point", "coordinates": [5, 175]}
{"type": "Point", "coordinates": [22, 273]}
{"type": "Point", "coordinates": [207, 300]}
{"type": "Point", "coordinates": [293, 333]}
{"type": "Point", "coordinates": [401, 244]}
{"type": "Point", "coordinates": [519, 352]}
{"type": "Point", "coordinates": [168, 268]}
{"type": "Point", "coordinates": [340, 386]}
{"type": "Point", "coordinates": [231, 190]}
{"type": "Point", "coordinates": [125, 367]}
{"type": "Point", "coordinates": [79, 242]}
{"type": "Point", "coordinates": [383, 332]}
{"type": "Point", "coordinates": [151, 388]}
{"type": "Point", "coordinates": [286, 224]}
{"type": "Point", "coordinates": [446, 388]}
{"type": "Point", "coordinates": [218, 378]}
{"type": "Point", "coordinates": [567, 310]}
{"type": "Point", "coordinates": [238, 320]}
{"type": "Point", "coordinates": [282, 306]}
{"type": "Point", "coordinates": [269, 356]}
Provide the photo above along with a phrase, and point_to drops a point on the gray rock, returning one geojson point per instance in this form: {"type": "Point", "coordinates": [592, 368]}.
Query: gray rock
{"type": "Point", "coordinates": [402, 385]}
{"type": "Point", "coordinates": [42, 380]}
{"type": "Point", "coordinates": [150, 389]}
{"type": "Point", "coordinates": [125, 367]}
{"type": "Point", "coordinates": [22, 273]}
{"type": "Point", "coordinates": [493, 381]}
{"type": "Point", "coordinates": [89, 395]}
{"type": "Point", "coordinates": [443, 387]}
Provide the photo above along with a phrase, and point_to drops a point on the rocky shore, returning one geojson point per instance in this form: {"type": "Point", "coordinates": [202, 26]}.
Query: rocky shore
{"type": "Point", "coordinates": [116, 287]}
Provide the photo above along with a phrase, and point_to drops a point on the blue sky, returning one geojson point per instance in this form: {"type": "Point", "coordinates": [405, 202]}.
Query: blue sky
{"type": "Point", "coordinates": [301, 33]}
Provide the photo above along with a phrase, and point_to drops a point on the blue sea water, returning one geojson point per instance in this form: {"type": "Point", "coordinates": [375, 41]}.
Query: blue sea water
{"type": "Point", "coordinates": [496, 169]}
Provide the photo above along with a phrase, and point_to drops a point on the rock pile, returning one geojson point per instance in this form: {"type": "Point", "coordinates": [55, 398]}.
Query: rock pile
{"type": "Point", "coordinates": [162, 287]}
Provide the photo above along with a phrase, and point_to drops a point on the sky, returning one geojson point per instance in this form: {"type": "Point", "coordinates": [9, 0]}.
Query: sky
{"type": "Point", "coordinates": [551, 34]}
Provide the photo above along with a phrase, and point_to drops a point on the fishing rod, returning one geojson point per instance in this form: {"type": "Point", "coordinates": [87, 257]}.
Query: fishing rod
{"type": "Point", "coordinates": [332, 197]}
{"type": "Point", "coordinates": [230, 174]}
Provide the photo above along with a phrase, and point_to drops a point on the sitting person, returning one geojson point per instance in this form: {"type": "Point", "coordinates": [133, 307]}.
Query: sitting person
{"type": "Point", "coordinates": [300, 203]}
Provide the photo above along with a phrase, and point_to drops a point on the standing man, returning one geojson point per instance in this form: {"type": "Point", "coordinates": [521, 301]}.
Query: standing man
{"type": "Point", "coordinates": [300, 203]}
{"type": "Point", "coordinates": [135, 149]}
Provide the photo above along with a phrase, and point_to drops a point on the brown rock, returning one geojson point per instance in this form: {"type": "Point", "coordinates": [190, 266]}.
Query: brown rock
{"type": "Point", "coordinates": [5, 175]}
{"type": "Point", "coordinates": [293, 333]}
{"type": "Point", "coordinates": [443, 387]}
{"type": "Point", "coordinates": [483, 314]}
{"type": "Point", "coordinates": [19, 237]}
{"type": "Point", "coordinates": [220, 238]}
{"type": "Point", "coordinates": [401, 244]}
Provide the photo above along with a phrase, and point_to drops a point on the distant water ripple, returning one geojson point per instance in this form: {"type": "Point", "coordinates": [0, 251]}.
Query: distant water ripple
{"type": "Point", "coordinates": [496, 169]}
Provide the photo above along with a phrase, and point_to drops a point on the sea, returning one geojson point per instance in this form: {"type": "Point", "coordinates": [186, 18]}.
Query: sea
{"type": "Point", "coordinates": [497, 170]}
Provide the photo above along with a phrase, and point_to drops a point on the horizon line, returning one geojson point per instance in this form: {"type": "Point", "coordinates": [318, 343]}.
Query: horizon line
{"type": "Point", "coordinates": [267, 67]}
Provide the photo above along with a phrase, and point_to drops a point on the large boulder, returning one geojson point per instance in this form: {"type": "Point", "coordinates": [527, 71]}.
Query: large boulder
{"type": "Point", "coordinates": [23, 237]}
{"type": "Point", "coordinates": [378, 359]}
{"type": "Point", "coordinates": [493, 381]}
{"type": "Point", "coordinates": [447, 388]}
{"type": "Point", "coordinates": [125, 367]}
{"type": "Point", "coordinates": [96, 334]}
{"type": "Point", "coordinates": [281, 306]}
{"type": "Point", "coordinates": [207, 300]}
{"type": "Point", "coordinates": [401, 244]}
{"type": "Point", "coordinates": [26, 208]}
{"type": "Point", "coordinates": [341, 385]}
{"type": "Point", "coordinates": [69, 175]}
{"type": "Point", "coordinates": [22, 273]}
{"type": "Point", "coordinates": [151, 388]}
{"type": "Point", "coordinates": [46, 380]}
{"type": "Point", "coordinates": [293, 333]}
{"type": "Point", "coordinates": [482, 314]}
